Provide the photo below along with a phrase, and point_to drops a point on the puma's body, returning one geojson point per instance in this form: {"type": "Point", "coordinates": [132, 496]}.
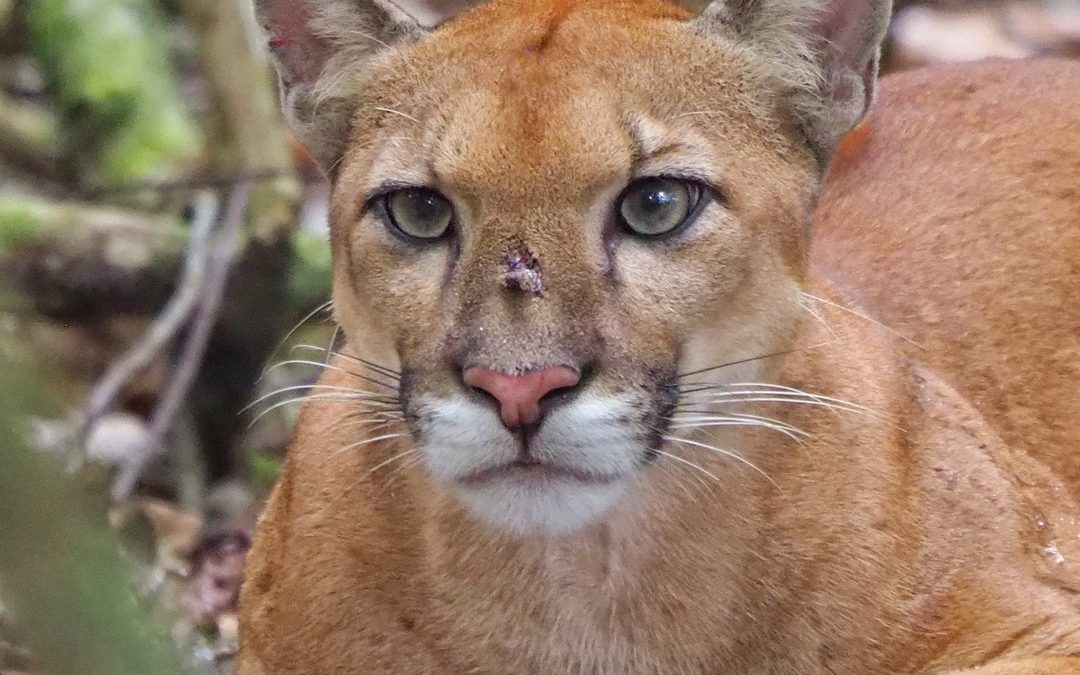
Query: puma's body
{"type": "Point", "coordinates": [926, 526]}
{"type": "Point", "coordinates": [957, 223]}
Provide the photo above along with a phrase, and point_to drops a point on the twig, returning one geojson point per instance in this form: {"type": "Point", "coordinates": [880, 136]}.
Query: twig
{"type": "Point", "coordinates": [226, 246]}
{"type": "Point", "coordinates": [218, 181]}
{"type": "Point", "coordinates": [139, 357]}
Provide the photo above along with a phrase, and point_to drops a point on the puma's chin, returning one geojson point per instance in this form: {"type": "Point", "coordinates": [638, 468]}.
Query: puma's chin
{"type": "Point", "coordinates": [527, 501]}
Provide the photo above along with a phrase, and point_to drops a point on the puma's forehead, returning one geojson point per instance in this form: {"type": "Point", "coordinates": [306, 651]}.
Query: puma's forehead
{"type": "Point", "coordinates": [586, 93]}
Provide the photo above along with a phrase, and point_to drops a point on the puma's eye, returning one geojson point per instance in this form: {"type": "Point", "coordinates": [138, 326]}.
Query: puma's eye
{"type": "Point", "coordinates": [655, 206]}
{"type": "Point", "coordinates": [420, 213]}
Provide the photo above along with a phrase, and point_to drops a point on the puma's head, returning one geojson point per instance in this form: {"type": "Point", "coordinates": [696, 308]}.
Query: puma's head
{"type": "Point", "coordinates": [544, 212]}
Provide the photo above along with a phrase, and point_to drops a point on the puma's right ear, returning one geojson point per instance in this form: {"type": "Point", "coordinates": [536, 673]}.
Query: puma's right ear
{"type": "Point", "coordinates": [321, 46]}
{"type": "Point", "coordinates": [823, 53]}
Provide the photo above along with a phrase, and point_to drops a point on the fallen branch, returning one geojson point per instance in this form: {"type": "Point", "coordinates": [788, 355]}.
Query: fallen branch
{"type": "Point", "coordinates": [166, 326]}
{"type": "Point", "coordinates": [28, 138]}
{"type": "Point", "coordinates": [74, 262]}
{"type": "Point", "coordinates": [187, 183]}
{"type": "Point", "coordinates": [221, 263]}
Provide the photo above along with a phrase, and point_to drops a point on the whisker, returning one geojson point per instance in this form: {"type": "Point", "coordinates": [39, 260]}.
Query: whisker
{"type": "Point", "coordinates": [398, 113]}
{"type": "Point", "coordinates": [726, 453]}
{"type": "Point", "coordinates": [366, 441]}
{"type": "Point", "coordinates": [751, 359]}
{"type": "Point", "coordinates": [360, 393]}
{"type": "Point", "coordinates": [777, 398]}
{"type": "Point", "coordinates": [292, 331]}
{"type": "Point", "coordinates": [328, 366]}
{"type": "Point", "coordinates": [820, 319]}
{"type": "Point", "coordinates": [376, 423]}
{"type": "Point", "coordinates": [323, 398]}
{"type": "Point", "coordinates": [409, 462]}
{"type": "Point", "coordinates": [715, 395]}
{"type": "Point", "coordinates": [788, 394]}
{"type": "Point", "coordinates": [751, 417]}
{"type": "Point", "coordinates": [387, 413]}
{"type": "Point", "coordinates": [864, 317]}
{"type": "Point", "coordinates": [382, 370]}
{"type": "Point", "coordinates": [794, 433]}
{"type": "Point", "coordinates": [675, 472]}
{"type": "Point", "coordinates": [748, 424]}
{"type": "Point", "coordinates": [333, 342]}
{"type": "Point", "coordinates": [686, 462]}
{"type": "Point", "coordinates": [368, 36]}
{"type": "Point", "coordinates": [817, 397]}
{"type": "Point", "coordinates": [392, 460]}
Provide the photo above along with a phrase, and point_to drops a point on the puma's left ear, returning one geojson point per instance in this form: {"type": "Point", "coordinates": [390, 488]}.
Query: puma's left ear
{"type": "Point", "coordinates": [823, 53]}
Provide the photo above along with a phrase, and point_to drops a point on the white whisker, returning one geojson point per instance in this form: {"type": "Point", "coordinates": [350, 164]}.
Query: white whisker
{"type": "Point", "coordinates": [392, 460]}
{"type": "Point", "coordinates": [382, 370]}
{"type": "Point", "coordinates": [368, 36]}
{"type": "Point", "coordinates": [328, 366]}
{"type": "Point", "coordinates": [376, 421]}
{"type": "Point", "coordinates": [793, 433]}
{"type": "Point", "coordinates": [864, 317]}
{"type": "Point", "coordinates": [686, 462]}
{"type": "Point", "coordinates": [726, 453]}
{"type": "Point", "coordinates": [366, 441]}
{"type": "Point", "coordinates": [359, 393]}
{"type": "Point", "coordinates": [378, 406]}
{"type": "Point", "coordinates": [820, 319]}
{"type": "Point", "coordinates": [757, 418]}
{"type": "Point", "coordinates": [816, 397]}
{"type": "Point", "coordinates": [398, 113]}
{"type": "Point", "coordinates": [321, 308]}
{"type": "Point", "coordinates": [763, 392]}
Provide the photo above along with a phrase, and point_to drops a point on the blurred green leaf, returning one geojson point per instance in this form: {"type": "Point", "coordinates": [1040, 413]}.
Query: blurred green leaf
{"type": "Point", "coordinates": [59, 560]}
{"type": "Point", "coordinates": [108, 69]}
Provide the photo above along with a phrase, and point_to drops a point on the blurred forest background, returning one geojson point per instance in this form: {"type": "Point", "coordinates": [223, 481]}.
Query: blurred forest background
{"type": "Point", "coordinates": [164, 272]}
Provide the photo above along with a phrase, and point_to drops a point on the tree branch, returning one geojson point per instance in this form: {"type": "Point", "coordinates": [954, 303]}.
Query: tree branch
{"type": "Point", "coordinates": [221, 261]}
{"type": "Point", "coordinates": [168, 323]}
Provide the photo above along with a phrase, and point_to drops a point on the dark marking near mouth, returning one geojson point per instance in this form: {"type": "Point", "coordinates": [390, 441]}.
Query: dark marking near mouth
{"type": "Point", "coordinates": [412, 418]}
{"type": "Point", "coordinates": [665, 398]}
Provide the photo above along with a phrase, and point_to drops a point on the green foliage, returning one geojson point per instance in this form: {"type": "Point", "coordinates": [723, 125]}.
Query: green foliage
{"type": "Point", "coordinates": [310, 281]}
{"type": "Point", "coordinates": [19, 224]}
{"type": "Point", "coordinates": [264, 469]}
{"type": "Point", "coordinates": [59, 561]}
{"type": "Point", "coordinates": [109, 73]}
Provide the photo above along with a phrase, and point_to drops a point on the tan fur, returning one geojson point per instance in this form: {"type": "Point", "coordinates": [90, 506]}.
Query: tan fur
{"type": "Point", "coordinates": [934, 534]}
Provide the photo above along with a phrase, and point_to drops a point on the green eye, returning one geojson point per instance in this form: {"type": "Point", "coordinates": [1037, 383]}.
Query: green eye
{"type": "Point", "coordinates": [655, 206]}
{"type": "Point", "coordinates": [420, 213]}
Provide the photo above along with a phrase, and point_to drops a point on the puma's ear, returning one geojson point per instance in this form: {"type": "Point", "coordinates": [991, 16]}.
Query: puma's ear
{"type": "Point", "coordinates": [321, 46]}
{"type": "Point", "coordinates": [824, 53]}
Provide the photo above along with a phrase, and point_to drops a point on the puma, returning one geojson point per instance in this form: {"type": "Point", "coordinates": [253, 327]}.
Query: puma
{"type": "Point", "coordinates": [614, 397]}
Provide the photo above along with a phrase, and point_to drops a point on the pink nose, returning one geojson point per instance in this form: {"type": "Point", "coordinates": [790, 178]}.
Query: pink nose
{"type": "Point", "coordinates": [519, 395]}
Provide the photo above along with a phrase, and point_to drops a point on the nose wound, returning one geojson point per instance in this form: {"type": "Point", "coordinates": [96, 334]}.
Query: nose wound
{"type": "Point", "coordinates": [521, 271]}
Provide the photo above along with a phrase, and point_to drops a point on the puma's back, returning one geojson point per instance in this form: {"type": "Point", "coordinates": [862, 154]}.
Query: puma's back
{"type": "Point", "coordinates": [953, 217]}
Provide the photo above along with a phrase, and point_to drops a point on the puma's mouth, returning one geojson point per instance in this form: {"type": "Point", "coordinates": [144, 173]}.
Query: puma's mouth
{"type": "Point", "coordinates": [537, 473]}
{"type": "Point", "coordinates": [566, 473]}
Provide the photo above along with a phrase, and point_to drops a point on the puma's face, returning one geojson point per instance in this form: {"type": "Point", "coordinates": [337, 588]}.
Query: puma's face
{"type": "Point", "coordinates": [545, 230]}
